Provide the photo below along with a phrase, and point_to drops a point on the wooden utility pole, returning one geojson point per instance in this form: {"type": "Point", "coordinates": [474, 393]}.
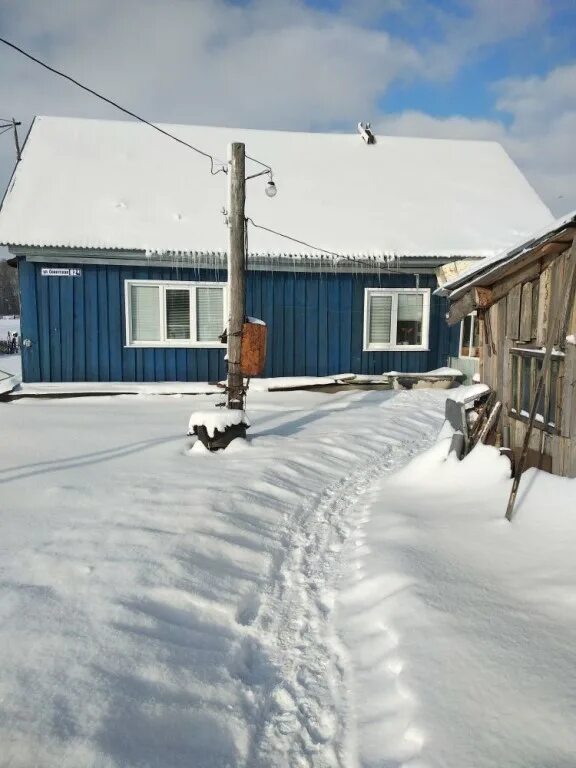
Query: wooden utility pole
{"type": "Point", "coordinates": [236, 272]}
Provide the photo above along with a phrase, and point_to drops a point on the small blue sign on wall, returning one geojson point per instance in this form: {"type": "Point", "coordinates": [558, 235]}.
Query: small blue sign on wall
{"type": "Point", "coordinates": [61, 272]}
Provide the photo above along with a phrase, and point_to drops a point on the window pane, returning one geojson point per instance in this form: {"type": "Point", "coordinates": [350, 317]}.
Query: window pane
{"type": "Point", "coordinates": [380, 319]}
{"type": "Point", "coordinates": [410, 310]}
{"type": "Point", "coordinates": [145, 312]}
{"type": "Point", "coordinates": [515, 362]}
{"type": "Point", "coordinates": [554, 377]}
{"type": "Point", "coordinates": [525, 384]}
{"type": "Point", "coordinates": [540, 406]}
{"type": "Point", "coordinates": [475, 349]}
{"type": "Point", "coordinates": [209, 313]}
{"type": "Point", "coordinates": [466, 328]}
{"type": "Point", "coordinates": [177, 313]}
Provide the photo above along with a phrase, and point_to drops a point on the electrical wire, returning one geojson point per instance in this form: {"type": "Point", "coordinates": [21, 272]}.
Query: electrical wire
{"type": "Point", "coordinates": [363, 262]}
{"type": "Point", "coordinates": [293, 239]}
{"type": "Point", "coordinates": [264, 165]}
{"type": "Point", "coordinates": [214, 163]}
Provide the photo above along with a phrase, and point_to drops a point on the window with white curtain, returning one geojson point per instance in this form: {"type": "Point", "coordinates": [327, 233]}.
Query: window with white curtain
{"type": "Point", "coordinates": [396, 318]}
{"type": "Point", "coordinates": [172, 314]}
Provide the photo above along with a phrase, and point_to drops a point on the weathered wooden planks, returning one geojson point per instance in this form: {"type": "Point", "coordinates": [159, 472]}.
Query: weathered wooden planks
{"type": "Point", "coordinates": [513, 312]}
{"type": "Point", "coordinates": [544, 297]}
{"type": "Point", "coordinates": [525, 326]}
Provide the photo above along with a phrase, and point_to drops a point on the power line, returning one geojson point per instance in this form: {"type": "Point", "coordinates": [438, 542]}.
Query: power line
{"type": "Point", "coordinates": [213, 161]}
{"type": "Point", "coordinates": [308, 245]}
{"type": "Point", "coordinates": [293, 239]}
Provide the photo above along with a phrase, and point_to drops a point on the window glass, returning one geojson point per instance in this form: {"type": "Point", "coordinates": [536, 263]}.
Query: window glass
{"type": "Point", "coordinates": [525, 372]}
{"type": "Point", "coordinates": [380, 321]}
{"type": "Point", "coordinates": [466, 330]}
{"type": "Point", "coordinates": [209, 313]}
{"type": "Point", "coordinates": [515, 361]}
{"type": "Point", "coordinates": [525, 384]}
{"type": "Point", "coordinates": [552, 397]}
{"type": "Point", "coordinates": [177, 313]}
{"type": "Point", "coordinates": [537, 367]}
{"type": "Point", "coordinates": [409, 324]}
{"type": "Point", "coordinates": [145, 312]}
{"type": "Point", "coordinates": [475, 348]}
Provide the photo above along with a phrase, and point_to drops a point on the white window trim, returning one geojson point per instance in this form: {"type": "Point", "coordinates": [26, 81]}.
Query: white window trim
{"type": "Point", "coordinates": [173, 343]}
{"type": "Point", "coordinates": [392, 346]}
{"type": "Point", "coordinates": [472, 324]}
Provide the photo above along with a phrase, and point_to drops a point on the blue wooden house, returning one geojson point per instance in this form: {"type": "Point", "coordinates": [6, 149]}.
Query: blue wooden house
{"type": "Point", "coordinates": [120, 241]}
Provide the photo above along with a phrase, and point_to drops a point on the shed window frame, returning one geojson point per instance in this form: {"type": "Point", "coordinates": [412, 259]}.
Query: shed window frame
{"type": "Point", "coordinates": [474, 323]}
{"type": "Point", "coordinates": [163, 286]}
{"type": "Point", "coordinates": [524, 371]}
{"type": "Point", "coordinates": [393, 345]}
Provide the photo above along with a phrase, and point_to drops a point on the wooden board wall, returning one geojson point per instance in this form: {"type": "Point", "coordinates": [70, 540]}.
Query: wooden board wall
{"type": "Point", "coordinates": [522, 317]}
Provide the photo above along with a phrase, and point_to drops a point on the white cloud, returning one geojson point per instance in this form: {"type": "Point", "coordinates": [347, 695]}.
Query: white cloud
{"type": "Point", "coordinates": [477, 26]}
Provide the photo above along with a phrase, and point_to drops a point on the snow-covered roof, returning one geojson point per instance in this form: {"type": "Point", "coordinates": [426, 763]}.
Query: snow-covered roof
{"type": "Point", "coordinates": [486, 270]}
{"type": "Point", "coordinates": [102, 184]}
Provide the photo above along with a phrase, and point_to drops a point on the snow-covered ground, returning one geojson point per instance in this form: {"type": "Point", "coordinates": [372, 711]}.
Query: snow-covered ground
{"type": "Point", "coordinates": [289, 602]}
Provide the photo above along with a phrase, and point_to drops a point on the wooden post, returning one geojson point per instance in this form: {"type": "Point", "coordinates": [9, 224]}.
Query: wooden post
{"type": "Point", "coordinates": [558, 323]}
{"type": "Point", "coordinates": [236, 273]}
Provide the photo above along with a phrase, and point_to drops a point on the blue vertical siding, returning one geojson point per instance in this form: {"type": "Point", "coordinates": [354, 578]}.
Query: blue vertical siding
{"type": "Point", "coordinates": [315, 326]}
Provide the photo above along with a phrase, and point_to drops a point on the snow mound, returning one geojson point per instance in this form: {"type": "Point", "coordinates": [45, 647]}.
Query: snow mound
{"type": "Point", "coordinates": [437, 372]}
{"type": "Point", "coordinates": [217, 420]}
{"type": "Point", "coordinates": [470, 393]}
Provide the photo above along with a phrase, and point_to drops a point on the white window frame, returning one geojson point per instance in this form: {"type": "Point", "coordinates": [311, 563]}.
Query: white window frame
{"type": "Point", "coordinates": [392, 346]}
{"type": "Point", "coordinates": [163, 285]}
{"type": "Point", "coordinates": [474, 316]}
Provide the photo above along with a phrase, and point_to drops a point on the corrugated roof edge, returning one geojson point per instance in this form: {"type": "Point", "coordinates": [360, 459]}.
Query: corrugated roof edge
{"type": "Point", "coordinates": [101, 249]}
{"type": "Point", "coordinates": [464, 281]}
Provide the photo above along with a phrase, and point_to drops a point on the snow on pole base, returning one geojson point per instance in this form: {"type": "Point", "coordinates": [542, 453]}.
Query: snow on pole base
{"type": "Point", "coordinates": [217, 428]}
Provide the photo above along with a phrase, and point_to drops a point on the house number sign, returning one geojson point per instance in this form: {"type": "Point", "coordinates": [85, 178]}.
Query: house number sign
{"type": "Point", "coordinates": [60, 272]}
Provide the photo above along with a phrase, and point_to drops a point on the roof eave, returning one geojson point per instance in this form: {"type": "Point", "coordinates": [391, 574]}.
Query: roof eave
{"type": "Point", "coordinates": [490, 275]}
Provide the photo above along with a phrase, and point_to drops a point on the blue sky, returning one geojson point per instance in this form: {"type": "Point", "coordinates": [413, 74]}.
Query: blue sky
{"type": "Point", "coordinates": [470, 92]}
{"type": "Point", "coordinates": [503, 70]}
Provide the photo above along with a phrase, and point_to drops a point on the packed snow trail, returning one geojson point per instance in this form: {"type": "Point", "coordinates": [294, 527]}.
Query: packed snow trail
{"type": "Point", "coordinates": [163, 608]}
{"type": "Point", "coordinates": [303, 715]}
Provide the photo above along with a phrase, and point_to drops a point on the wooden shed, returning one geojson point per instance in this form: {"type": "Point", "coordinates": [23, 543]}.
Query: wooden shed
{"type": "Point", "coordinates": [524, 300]}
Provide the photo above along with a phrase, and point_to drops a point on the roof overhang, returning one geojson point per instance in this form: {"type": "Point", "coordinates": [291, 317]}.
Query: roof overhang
{"type": "Point", "coordinates": [482, 288]}
{"type": "Point", "coordinates": [218, 260]}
